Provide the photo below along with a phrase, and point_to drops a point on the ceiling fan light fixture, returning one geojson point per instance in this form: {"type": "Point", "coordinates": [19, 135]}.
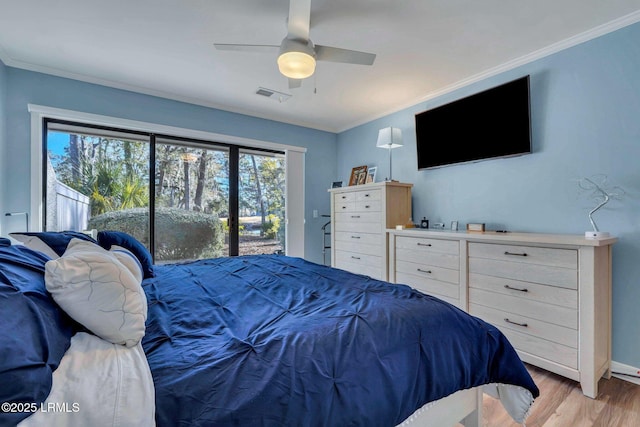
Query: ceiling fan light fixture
{"type": "Point", "coordinates": [297, 59]}
{"type": "Point", "coordinates": [296, 65]}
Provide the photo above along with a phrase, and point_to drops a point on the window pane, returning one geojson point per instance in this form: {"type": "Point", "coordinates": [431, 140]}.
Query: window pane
{"type": "Point", "coordinates": [97, 182]}
{"type": "Point", "coordinates": [192, 200]}
{"type": "Point", "coordinates": [261, 199]}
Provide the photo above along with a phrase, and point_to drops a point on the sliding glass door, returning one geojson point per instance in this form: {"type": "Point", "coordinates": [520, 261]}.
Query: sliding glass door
{"type": "Point", "coordinates": [96, 179]}
{"type": "Point", "coordinates": [191, 201]}
{"type": "Point", "coordinates": [183, 199]}
{"type": "Point", "coordinates": [261, 203]}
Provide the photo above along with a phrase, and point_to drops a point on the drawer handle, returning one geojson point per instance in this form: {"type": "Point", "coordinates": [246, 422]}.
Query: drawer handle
{"type": "Point", "coordinates": [366, 195]}
{"type": "Point", "coordinates": [367, 207]}
{"type": "Point", "coordinates": [344, 197]}
{"type": "Point", "coordinates": [355, 237]}
{"type": "Point", "coordinates": [355, 216]}
{"type": "Point", "coordinates": [355, 257]}
{"type": "Point", "coordinates": [524, 325]}
{"type": "Point", "coordinates": [344, 207]}
{"type": "Point", "coordinates": [515, 254]}
{"type": "Point", "coordinates": [424, 271]}
{"type": "Point", "coordinates": [423, 244]}
{"type": "Point", "coordinates": [516, 289]}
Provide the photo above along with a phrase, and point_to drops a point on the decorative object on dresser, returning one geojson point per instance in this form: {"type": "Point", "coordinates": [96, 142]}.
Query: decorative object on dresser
{"type": "Point", "coordinates": [336, 184]}
{"type": "Point", "coordinates": [359, 217]}
{"type": "Point", "coordinates": [371, 174]}
{"type": "Point", "coordinates": [475, 226]}
{"type": "Point", "coordinates": [549, 294]}
{"type": "Point", "coordinates": [602, 195]}
{"type": "Point", "coordinates": [389, 138]}
{"type": "Point", "coordinates": [358, 173]}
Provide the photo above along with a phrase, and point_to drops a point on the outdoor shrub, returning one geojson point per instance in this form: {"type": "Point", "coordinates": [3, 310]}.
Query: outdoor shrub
{"type": "Point", "coordinates": [180, 234]}
{"type": "Point", "coordinates": [271, 226]}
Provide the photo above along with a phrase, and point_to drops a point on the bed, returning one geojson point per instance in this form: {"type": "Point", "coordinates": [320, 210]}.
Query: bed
{"type": "Point", "coordinates": [264, 340]}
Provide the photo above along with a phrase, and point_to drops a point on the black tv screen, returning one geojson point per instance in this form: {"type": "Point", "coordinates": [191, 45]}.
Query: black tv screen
{"type": "Point", "coordinates": [489, 124]}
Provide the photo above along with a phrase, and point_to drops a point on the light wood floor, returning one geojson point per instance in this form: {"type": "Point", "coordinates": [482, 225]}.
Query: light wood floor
{"type": "Point", "coordinates": [562, 404]}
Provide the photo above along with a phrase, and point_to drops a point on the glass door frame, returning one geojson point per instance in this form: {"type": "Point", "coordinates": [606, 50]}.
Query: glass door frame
{"type": "Point", "coordinates": [234, 155]}
{"type": "Point", "coordinates": [295, 182]}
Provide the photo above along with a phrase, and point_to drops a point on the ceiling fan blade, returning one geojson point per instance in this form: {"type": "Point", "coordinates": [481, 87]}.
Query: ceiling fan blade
{"type": "Point", "coordinates": [267, 48]}
{"type": "Point", "coordinates": [295, 83]}
{"type": "Point", "coordinates": [298, 21]}
{"type": "Point", "coordinates": [335, 54]}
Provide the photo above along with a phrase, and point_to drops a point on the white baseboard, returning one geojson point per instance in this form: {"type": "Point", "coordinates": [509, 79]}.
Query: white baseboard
{"type": "Point", "coordinates": [619, 369]}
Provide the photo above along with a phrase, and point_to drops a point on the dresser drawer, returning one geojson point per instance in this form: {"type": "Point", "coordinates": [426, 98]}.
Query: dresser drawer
{"type": "Point", "coordinates": [344, 197]}
{"type": "Point", "coordinates": [428, 285]}
{"type": "Point", "coordinates": [342, 206]}
{"type": "Point", "coordinates": [543, 274]}
{"type": "Point", "coordinates": [363, 196]}
{"type": "Point", "coordinates": [427, 271]}
{"type": "Point", "coordinates": [426, 245]}
{"type": "Point", "coordinates": [374, 248]}
{"type": "Point", "coordinates": [565, 258]}
{"type": "Point", "coordinates": [554, 295]}
{"type": "Point", "coordinates": [427, 258]}
{"type": "Point", "coordinates": [358, 258]}
{"type": "Point", "coordinates": [369, 265]}
{"type": "Point", "coordinates": [545, 349]}
{"type": "Point", "coordinates": [363, 222]}
{"type": "Point", "coordinates": [526, 325]}
{"type": "Point", "coordinates": [556, 315]}
{"type": "Point", "coordinates": [368, 206]}
{"type": "Point", "coordinates": [355, 237]}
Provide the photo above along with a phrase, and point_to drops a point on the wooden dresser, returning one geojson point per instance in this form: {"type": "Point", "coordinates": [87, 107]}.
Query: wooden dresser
{"type": "Point", "coordinates": [549, 294]}
{"type": "Point", "coordinates": [360, 215]}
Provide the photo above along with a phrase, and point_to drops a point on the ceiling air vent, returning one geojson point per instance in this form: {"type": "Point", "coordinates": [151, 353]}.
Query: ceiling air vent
{"type": "Point", "coordinates": [273, 94]}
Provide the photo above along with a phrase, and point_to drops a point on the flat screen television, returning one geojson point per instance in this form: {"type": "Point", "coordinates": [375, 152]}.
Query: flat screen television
{"type": "Point", "coordinates": [490, 124]}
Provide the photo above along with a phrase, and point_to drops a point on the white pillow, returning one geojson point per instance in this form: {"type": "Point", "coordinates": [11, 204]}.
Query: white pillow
{"type": "Point", "coordinates": [129, 260]}
{"type": "Point", "coordinates": [35, 243]}
{"type": "Point", "coordinates": [99, 292]}
{"type": "Point", "coordinates": [51, 243]}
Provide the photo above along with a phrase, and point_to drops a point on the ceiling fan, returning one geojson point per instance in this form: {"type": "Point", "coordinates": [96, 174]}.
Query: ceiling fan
{"type": "Point", "coordinates": [297, 54]}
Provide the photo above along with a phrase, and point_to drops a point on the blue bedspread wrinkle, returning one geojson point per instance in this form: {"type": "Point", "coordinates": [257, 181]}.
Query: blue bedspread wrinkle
{"type": "Point", "coordinates": [278, 341]}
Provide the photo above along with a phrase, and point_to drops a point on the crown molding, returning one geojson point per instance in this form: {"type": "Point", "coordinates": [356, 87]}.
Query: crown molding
{"type": "Point", "coordinates": [567, 43]}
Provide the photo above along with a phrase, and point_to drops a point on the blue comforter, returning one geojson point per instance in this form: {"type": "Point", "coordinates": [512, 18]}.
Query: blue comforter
{"type": "Point", "coordinates": [279, 341]}
{"type": "Point", "coordinates": [34, 332]}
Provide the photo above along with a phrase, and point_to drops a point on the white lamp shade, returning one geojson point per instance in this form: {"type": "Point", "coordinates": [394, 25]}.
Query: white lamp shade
{"type": "Point", "coordinates": [389, 138]}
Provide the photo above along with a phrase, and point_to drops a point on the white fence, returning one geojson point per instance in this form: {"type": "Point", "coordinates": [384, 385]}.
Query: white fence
{"type": "Point", "coordinates": [71, 209]}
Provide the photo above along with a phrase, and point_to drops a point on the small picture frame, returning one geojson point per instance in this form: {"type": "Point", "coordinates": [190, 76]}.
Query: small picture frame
{"type": "Point", "coordinates": [336, 184]}
{"type": "Point", "coordinates": [358, 175]}
{"type": "Point", "coordinates": [371, 174]}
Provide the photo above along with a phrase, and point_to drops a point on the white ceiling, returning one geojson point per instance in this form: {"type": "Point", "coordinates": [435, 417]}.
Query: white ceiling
{"type": "Point", "coordinates": [424, 48]}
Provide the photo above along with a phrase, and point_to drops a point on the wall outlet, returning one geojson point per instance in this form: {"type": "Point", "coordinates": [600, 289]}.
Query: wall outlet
{"type": "Point", "coordinates": [315, 213]}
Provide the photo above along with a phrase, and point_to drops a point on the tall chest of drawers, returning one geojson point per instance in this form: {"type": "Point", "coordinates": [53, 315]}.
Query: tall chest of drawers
{"type": "Point", "coordinates": [360, 216]}
{"type": "Point", "coordinates": [549, 294]}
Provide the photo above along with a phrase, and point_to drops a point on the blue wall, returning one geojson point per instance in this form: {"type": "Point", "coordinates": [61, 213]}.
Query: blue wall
{"type": "Point", "coordinates": [585, 111]}
{"type": "Point", "coordinates": [25, 87]}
